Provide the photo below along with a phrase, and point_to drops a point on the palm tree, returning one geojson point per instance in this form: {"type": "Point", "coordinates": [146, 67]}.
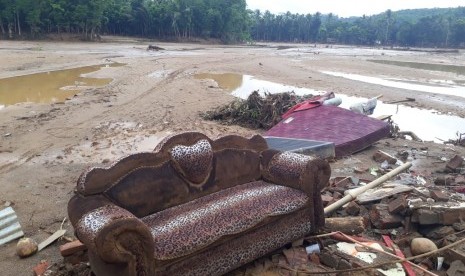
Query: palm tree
{"type": "Point", "coordinates": [388, 24]}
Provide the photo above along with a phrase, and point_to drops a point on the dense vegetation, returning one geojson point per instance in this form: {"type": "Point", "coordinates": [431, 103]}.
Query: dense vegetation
{"type": "Point", "coordinates": [226, 20]}
{"type": "Point", "coordinates": [422, 27]}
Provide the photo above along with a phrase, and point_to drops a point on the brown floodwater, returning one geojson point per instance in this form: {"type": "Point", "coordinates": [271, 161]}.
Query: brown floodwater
{"type": "Point", "coordinates": [226, 81]}
{"type": "Point", "coordinates": [50, 87]}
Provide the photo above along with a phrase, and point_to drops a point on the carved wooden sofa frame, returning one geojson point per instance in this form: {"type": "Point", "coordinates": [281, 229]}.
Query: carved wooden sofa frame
{"type": "Point", "coordinates": [196, 206]}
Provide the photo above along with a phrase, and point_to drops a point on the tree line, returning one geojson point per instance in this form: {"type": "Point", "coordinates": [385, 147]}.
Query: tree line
{"type": "Point", "coordinates": [228, 21]}
{"type": "Point", "coordinates": [421, 28]}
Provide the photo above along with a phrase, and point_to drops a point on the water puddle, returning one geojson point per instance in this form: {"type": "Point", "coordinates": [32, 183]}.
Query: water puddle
{"type": "Point", "coordinates": [226, 81]}
{"type": "Point", "coordinates": [50, 87]}
{"type": "Point", "coordinates": [242, 85]}
{"type": "Point", "coordinates": [431, 126]}
{"type": "Point", "coordinates": [459, 70]}
{"type": "Point", "coordinates": [435, 86]}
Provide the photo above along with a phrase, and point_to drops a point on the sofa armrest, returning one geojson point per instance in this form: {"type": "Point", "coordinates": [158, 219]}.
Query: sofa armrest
{"type": "Point", "coordinates": [113, 234]}
{"type": "Point", "coordinates": [309, 174]}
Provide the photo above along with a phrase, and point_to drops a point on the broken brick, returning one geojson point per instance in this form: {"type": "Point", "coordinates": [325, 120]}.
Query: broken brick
{"type": "Point", "coordinates": [41, 268]}
{"type": "Point", "coordinates": [455, 163]}
{"type": "Point", "coordinates": [352, 208]}
{"type": "Point", "coordinates": [440, 232]}
{"type": "Point", "coordinates": [449, 216]}
{"type": "Point", "coordinates": [381, 156]}
{"type": "Point", "coordinates": [296, 256]}
{"type": "Point", "coordinates": [329, 259]}
{"type": "Point", "coordinates": [382, 219]}
{"type": "Point", "coordinates": [315, 259]}
{"type": "Point", "coordinates": [397, 205]}
{"type": "Point", "coordinates": [425, 216]}
{"type": "Point", "coordinates": [337, 195]}
{"type": "Point", "coordinates": [444, 180]}
{"type": "Point", "coordinates": [439, 195]}
{"type": "Point", "coordinates": [460, 180]}
{"type": "Point", "coordinates": [71, 248]}
{"type": "Point", "coordinates": [326, 199]}
{"type": "Point", "coordinates": [444, 216]}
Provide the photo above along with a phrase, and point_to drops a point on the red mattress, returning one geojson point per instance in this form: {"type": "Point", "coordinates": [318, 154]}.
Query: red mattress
{"type": "Point", "coordinates": [349, 131]}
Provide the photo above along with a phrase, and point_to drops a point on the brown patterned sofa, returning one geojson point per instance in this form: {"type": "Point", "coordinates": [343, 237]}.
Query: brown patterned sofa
{"type": "Point", "coordinates": [196, 206]}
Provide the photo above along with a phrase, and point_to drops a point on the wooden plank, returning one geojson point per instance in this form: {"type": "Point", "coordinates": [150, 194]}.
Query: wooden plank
{"type": "Point", "coordinates": [346, 225]}
{"type": "Point", "coordinates": [58, 234]}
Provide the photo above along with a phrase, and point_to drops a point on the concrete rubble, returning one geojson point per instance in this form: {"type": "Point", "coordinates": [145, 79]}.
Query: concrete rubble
{"type": "Point", "coordinates": [409, 225]}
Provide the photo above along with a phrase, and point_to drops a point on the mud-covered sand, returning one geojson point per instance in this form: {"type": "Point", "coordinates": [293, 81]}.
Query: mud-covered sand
{"type": "Point", "coordinates": [44, 147]}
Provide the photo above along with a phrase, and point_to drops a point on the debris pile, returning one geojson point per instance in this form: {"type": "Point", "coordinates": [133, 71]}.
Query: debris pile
{"type": "Point", "coordinates": [409, 225]}
{"type": "Point", "coordinates": [257, 111]}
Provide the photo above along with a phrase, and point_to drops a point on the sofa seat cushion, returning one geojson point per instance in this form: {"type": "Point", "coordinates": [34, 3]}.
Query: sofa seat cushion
{"type": "Point", "coordinates": [184, 229]}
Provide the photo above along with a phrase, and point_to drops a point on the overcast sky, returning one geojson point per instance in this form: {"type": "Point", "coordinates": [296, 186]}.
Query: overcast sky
{"type": "Point", "coordinates": [346, 8]}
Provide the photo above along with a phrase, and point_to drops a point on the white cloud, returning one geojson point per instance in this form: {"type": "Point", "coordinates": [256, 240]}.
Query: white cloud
{"type": "Point", "coordinates": [345, 8]}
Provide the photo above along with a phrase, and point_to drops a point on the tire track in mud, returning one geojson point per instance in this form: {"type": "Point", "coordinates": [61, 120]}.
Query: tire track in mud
{"type": "Point", "coordinates": [165, 98]}
{"type": "Point", "coordinates": [136, 102]}
{"type": "Point", "coordinates": [23, 159]}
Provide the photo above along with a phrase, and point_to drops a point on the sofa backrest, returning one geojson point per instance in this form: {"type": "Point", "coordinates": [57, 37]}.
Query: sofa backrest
{"type": "Point", "coordinates": [181, 168]}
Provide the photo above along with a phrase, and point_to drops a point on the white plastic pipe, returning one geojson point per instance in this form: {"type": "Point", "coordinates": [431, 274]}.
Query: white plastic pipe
{"type": "Point", "coordinates": [352, 194]}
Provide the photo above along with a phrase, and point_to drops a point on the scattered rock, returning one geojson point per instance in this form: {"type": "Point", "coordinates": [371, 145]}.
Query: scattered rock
{"type": "Point", "coordinates": [26, 247]}
{"type": "Point", "coordinates": [422, 245]}
{"type": "Point", "coordinates": [154, 48]}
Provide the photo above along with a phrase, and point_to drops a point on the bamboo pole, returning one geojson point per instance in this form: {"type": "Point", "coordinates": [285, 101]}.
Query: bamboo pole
{"type": "Point", "coordinates": [352, 194]}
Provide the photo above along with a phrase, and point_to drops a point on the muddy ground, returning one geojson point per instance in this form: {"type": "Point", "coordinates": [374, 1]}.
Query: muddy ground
{"type": "Point", "coordinates": [44, 147]}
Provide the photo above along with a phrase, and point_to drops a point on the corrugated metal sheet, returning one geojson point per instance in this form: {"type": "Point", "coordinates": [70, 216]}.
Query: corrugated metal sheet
{"type": "Point", "coordinates": [10, 229]}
